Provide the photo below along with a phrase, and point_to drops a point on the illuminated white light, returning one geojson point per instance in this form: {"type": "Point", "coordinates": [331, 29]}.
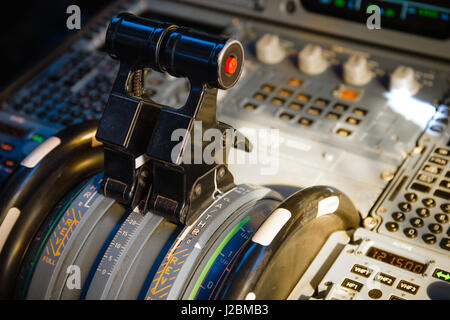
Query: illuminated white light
{"type": "Point", "coordinates": [250, 296]}
{"type": "Point", "coordinates": [413, 109]}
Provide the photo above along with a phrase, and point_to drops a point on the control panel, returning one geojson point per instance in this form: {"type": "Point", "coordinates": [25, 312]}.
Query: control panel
{"type": "Point", "coordinates": [369, 120]}
{"type": "Point", "coordinates": [378, 267]}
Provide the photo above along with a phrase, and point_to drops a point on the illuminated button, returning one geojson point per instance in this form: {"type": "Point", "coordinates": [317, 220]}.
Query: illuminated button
{"type": "Point", "coordinates": [303, 97]}
{"type": "Point", "coordinates": [344, 132]}
{"type": "Point", "coordinates": [286, 116]}
{"type": "Point", "coordinates": [423, 212]}
{"type": "Point", "coordinates": [361, 270]}
{"type": "Point", "coordinates": [398, 216]}
{"type": "Point", "coordinates": [432, 169]}
{"type": "Point", "coordinates": [441, 218]}
{"type": "Point", "coordinates": [429, 238]}
{"type": "Point", "coordinates": [445, 244]}
{"type": "Point", "coordinates": [314, 111]}
{"type": "Point", "coordinates": [441, 275]}
{"type": "Point", "coordinates": [349, 95]}
{"type": "Point", "coordinates": [359, 112]}
{"type": "Point", "coordinates": [351, 284]}
{"type": "Point", "coordinates": [442, 152]}
{"type": "Point", "coordinates": [410, 232]}
{"type": "Point", "coordinates": [435, 227]}
{"type": "Point", "coordinates": [405, 206]}
{"type": "Point", "coordinates": [340, 107]}
{"type": "Point", "coordinates": [411, 197]}
{"type": "Point", "coordinates": [321, 102]}
{"type": "Point", "coordinates": [278, 101]}
{"type": "Point", "coordinates": [352, 120]}
{"type": "Point", "coordinates": [438, 160]}
{"type": "Point", "coordinates": [231, 65]}
{"type": "Point", "coordinates": [375, 294]}
{"type": "Point", "coordinates": [295, 82]}
{"type": "Point", "coordinates": [7, 147]}
{"type": "Point", "coordinates": [259, 96]}
{"type": "Point", "coordinates": [305, 122]}
{"type": "Point", "coordinates": [295, 106]}
{"type": "Point", "coordinates": [426, 178]}
{"type": "Point", "coordinates": [391, 226]}
{"type": "Point", "coordinates": [267, 87]}
{"type": "Point", "coordinates": [9, 163]}
{"type": "Point", "coordinates": [408, 287]}
{"type": "Point", "coordinates": [416, 222]}
{"type": "Point", "coordinates": [250, 106]}
{"type": "Point", "coordinates": [429, 202]}
{"type": "Point", "coordinates": [285, 93]}
{"type": "Point", "coordinates": [384, 279]}
{"type": "Point", "coordinates": [333, 115]}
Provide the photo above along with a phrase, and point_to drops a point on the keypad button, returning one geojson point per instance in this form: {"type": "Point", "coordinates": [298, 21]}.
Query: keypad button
{"type": "Point", "coordinates": [442, 152]}
{"type": "Point", "coordinates": [410, 232]}
{"type": "Point", "coordinates": [351, 284]}
{"type": "Point", "coordinates": [423, 212]}
{"type": "Point", "coordinates": [416, 222]}
{"type": "Point", "coordinates": [398, 216]}
{"type": "Point", "coordinates": [429, 202]}
{"type": "Point", "coordinates": [384, 278]}
{"type": "Point", "coordinates": [429, 238]}
{"type": "Point", "coordinates": [445, 207]}
{"type": "Point", "coordinates": [395, 298]}
{"type": "Point", "coordinates": [445, 244]}
{"type": "Point", "coordinates": [438, 160]}
{"type": "Point", "coordinates": [435, 228]}
{"type": "Point", "coordinates": [411, 197]}
{"type": "Point", "coordinates": [408, 287]}
{"type": "Point", "coordinates": [432, 169]}
{"type": "Point", "coordinates": [404, 206]}
{"type": "Point", "coordinates": [361, 270]}
{"type": "Point", "coordinates": [441, 218]}
{"type": "Point", "coordinates": [391, 226]}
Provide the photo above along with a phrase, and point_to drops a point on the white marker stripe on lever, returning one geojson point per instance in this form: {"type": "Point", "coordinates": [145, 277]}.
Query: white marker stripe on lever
{"type": "Point", "coordinates": [270, 228]}
{"type": "Point", "coordinates": [40, 152]}
{"type": "Point", "coordinates": [327, 205]}
{"type": "Point", "coordinates": [7, 225]}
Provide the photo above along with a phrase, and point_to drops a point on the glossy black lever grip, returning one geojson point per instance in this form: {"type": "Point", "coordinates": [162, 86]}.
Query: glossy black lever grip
{"type": "Point", "coordinates": [182, 52]}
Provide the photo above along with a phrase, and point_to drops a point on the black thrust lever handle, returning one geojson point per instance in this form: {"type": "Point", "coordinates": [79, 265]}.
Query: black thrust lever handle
{"type": "Point", "coordinates": [136, 132]}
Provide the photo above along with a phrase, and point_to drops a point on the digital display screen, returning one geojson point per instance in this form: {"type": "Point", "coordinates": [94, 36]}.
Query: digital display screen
{"type": "Point", "coordinates": [12, 131]}
{"type": "Point", "coordinates": [428, 18]}
{"type": "Point", "coordinates": [396, 261]}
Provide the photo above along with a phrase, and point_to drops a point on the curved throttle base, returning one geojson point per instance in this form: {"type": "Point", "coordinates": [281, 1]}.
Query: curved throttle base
{"type": "Point", "coordinates": [281, 250]}
{"type": "Point", "coordinates": [42, 179]}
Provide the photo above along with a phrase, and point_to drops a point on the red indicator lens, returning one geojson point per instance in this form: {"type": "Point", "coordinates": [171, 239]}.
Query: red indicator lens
{"type": "Point", "coordinates": [231, 65]}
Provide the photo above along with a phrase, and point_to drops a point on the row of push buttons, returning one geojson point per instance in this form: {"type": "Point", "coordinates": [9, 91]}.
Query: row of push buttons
{"type": "Point", "coordinates": [381, 277]}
